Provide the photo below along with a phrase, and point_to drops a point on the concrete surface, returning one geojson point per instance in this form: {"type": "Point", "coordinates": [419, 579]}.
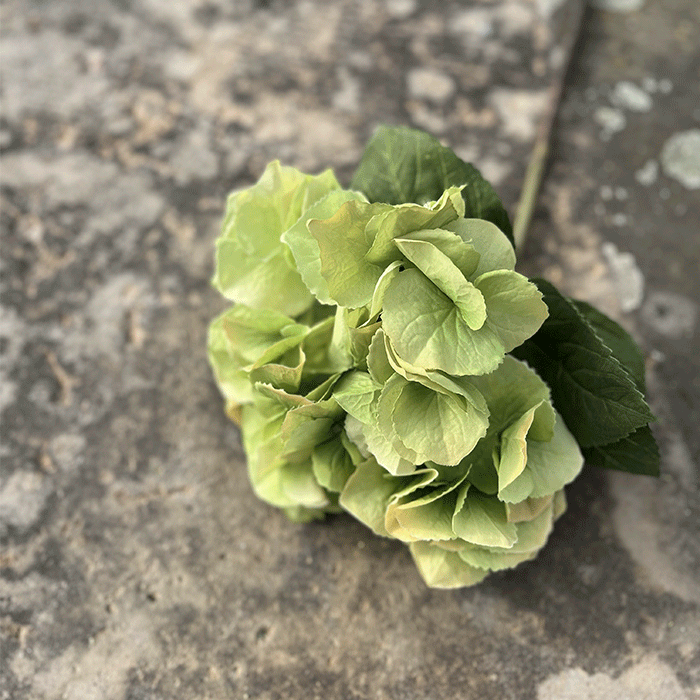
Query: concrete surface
{"type": "Point", "coordinates": [136, 563]}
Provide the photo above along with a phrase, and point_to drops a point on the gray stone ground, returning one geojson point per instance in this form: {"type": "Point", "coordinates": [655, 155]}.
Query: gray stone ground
{"type": "Point", "coordinates": [136, 563]}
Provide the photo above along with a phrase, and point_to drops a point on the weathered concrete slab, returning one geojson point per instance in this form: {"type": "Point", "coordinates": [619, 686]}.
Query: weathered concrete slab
{"type": "Point", "coordinates": [136, 562]}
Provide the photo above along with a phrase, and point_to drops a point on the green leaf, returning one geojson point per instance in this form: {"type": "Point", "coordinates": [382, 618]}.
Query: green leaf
{"type": "Point", "coordinates": [636, 453]}
{"type": "Point", "coordinates": [595, 395]}
{"type": "Point", "coordinates": [623, 347]}
{"type": "Point", "coordinates": [406, 165]}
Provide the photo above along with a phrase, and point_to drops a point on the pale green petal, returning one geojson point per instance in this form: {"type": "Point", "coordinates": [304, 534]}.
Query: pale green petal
{"type": "Point", "coordinates": [482, 520]}
{"type": "Point", "coordinates": [284, 374]}
{"type": "Point", "coordinates": [377, 360]}
{"type": "Point", "coordinates": [440, 427]}
{"type": "Point", "coordinates": [513, 454]}
{"type": "Point", "coordinates": [492, 244]}
{"type": "Point", "coordinates": [332, 465]}
{"type": "Point", "coordinates": [380, 289]}
{"type": "Point", "coordinates": [304, 246]}
{"type": "Point", "coordinates": [343, 245]}
{"type": "Point", "coordinates": [356, 392]}
{"type": "Point", "coordinates": [427, 329]}
{"type": "Point", "coordinates": [402, 219]}
{"type": "Point", "coordinates": [442, 569]}
{"type": "Point", "coordinates": [259, 282]}
{"type": "Point", "coordinates": [366, 495]}
{"type": "Point", "coordinates": [252, 265]}
{"type": "Point", "coordinates": [307, 426]}
{"type": "Point", "coordinates": [447, 277]}
{"type": "Point", "coordinates": [462, 254]}
{"type": "Point", "coordinates": [322, 355]}
{"type": "Point", "coordinates": [550, 466]}
{"type": "Point", "coordinates": [428, 517]}
{"type": "Point", "coordinates": [514, 306]}
{"type": "Point", "coordinates": [528, 509]}
{"type": "Point", "coordinates": [300, 487]}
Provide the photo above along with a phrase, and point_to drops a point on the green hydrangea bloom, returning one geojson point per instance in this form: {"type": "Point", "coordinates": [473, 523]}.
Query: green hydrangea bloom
{"type": "Point", "coordinates": [492, 510]}
{"type": "Point", "coordinates": [366, 361]}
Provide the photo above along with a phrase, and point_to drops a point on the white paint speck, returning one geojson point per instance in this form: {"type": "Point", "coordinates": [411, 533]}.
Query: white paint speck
{"type": "Point", "coordinates": [606, 193]}
{"type": "Point", "coordinates": [519, 110]}
{"type": "Point", "coordinates": [429, 84]}
{"type": "Point", "coordinates": [665, 85]}
{"type": "Point", "coordinates": [22, 498]}
{"type": "Point", "coordinates": [626, 276]}
{"type": "Point", "coordinates": [612, 120]}
{"type": "Point", "coordinates": [347, 98]}
{"type": "Point", "coordinates": [627, 95]}
{"type": "Point", "coordinates": [618, 5]}
{"type": "Point", "coordinates": [619, 220]}
{"type": "Point", "coordinates": [621, 194]}
{"type": "Point", "coordinates": [475, 23]}
{"type": "Point", "coordinates": [648, 173]}
{"type": "Point", "coordinates": [680, 158]}
{"type": "Point", "coordinates": [401, 9]}
{"type": "Point", "coordinates": [650, 84]}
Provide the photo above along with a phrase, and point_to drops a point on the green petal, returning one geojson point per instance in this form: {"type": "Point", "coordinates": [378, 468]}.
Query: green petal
{"type": "Point", "coordinates": [332, 465]}
{"type": "Point", "coordinates": [494, 248]}
{"type": "Point", "coordinates": [356, 392]}
{"type": "Point", "coordinates": [440, 427]}
{"type": "Point", "coordinates": [252, 265]}
{"type": "Point", "coordinates": [304, 246]}
{"type": "Point", "coordinates": [343, 245]}
{"type": "Point", "coordinates": [447, 277]}
{"type": "Point", "coordinates": [550, 465]}
{"type": "Point", "coordinates": [442, 569]}
{"type": "Point", "coordinates": [514, 306]}
{"type": "Point", "coordinates": [428, 330]}
{"type": "Point", "coordinates": [482, 520]}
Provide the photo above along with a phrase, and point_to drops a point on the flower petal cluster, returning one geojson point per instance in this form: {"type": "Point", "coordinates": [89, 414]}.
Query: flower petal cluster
{"type": "Point", "coordinates": [496, 507]}
{"type": "Point", "coordinates": [367, 362]}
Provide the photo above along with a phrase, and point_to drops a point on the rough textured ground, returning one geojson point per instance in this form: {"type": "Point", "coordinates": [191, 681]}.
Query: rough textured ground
{"type": "Point", "coordinates": [136, 563]}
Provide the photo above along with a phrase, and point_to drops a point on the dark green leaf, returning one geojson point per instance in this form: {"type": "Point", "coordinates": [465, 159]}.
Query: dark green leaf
{"type": "Point", "coordinates": [595, 395]}
{"type": "Point", "coordinates": [403, 165]}
{"type": "Point", "coordinates": [637, 453]}
{"type": "Point", "coordinates": [623, 347]}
